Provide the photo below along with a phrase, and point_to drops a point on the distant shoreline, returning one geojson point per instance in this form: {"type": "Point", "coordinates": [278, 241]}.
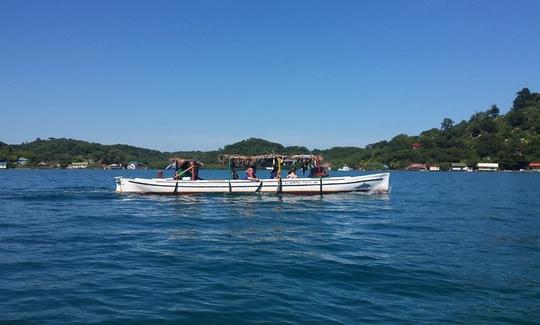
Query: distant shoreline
{"type": "Point", "coordinates": [498, 141]}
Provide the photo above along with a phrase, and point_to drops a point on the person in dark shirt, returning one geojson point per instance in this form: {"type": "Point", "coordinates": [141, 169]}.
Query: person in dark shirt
{"type": "Point", "coordinates": [234, 172]}
{"type": "Point", "coordinates": [274, 173]}
{"type": "Point", "coordinates": [185, 170]}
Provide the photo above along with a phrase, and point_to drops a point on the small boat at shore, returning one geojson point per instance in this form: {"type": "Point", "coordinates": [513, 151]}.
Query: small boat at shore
{"type": "Point", "coordinates": [317, 184]}
{"type": "Point", "coordinates": [345, 168]}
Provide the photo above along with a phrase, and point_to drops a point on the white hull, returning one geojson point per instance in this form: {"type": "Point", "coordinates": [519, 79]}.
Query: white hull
{"type": "Point", "coordinates": [374, 183]}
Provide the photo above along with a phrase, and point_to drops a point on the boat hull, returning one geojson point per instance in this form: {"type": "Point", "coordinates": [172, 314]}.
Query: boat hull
{"type": "Point", "coordinates": [374, 183]}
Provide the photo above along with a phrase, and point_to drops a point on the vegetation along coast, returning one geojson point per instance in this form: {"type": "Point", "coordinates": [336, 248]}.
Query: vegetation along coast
{"type": "Point", "coordinates": [510, 140]}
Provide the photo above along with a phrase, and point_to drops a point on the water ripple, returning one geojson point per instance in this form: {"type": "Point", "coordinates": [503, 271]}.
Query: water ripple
{"type": "Point", "coordinates": [434, 251]}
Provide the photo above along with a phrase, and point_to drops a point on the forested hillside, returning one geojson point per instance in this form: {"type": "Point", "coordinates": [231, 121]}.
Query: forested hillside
{"type": "Point", "coordinates": [511, 139]}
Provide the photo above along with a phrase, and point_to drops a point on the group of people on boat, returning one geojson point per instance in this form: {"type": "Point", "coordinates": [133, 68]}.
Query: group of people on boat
{"type": "Point", "coordinates": [188, 170]}
{"type": "Point", "coordinates": [274, 174]}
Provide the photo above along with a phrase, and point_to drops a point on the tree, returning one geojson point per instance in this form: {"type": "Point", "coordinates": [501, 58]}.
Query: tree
{"type": "Point", "coordinates": [493, 111]}
{"type": "Point", "coordinates": [522, 98]}
{"type": "Point", "coordinates": [447, 124]}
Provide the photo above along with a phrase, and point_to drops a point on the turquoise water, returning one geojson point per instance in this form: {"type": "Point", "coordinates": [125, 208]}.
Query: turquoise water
{"type": "Point", "coordinates": [441, 248]}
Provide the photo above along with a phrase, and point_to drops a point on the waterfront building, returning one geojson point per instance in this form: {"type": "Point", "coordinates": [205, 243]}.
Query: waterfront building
{"type": "Point", "coordinates": [78, 165]}
{"type": "Point", "coordinates": [22, 161]}
{"type": "Point", "coordinates": [417, 167]}
{"type": "Point", "coordinates": [458, 167]}
{"type": "Point", "coordinates": [487, 167]}
{"type": "Point", "coordinates": [3, 164]}
{"type": "Point", "coordinates": [534, 166]}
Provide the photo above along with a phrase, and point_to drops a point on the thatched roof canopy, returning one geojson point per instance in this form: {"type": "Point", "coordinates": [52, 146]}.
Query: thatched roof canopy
{"type": "Point", "coordinates": [180, 161]}
{"type": "Point", "coordinates": [269, 158]}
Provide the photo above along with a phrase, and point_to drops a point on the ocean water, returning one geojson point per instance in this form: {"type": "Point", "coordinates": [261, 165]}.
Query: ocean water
{"type": "Point", "coordinates": [440, 248]}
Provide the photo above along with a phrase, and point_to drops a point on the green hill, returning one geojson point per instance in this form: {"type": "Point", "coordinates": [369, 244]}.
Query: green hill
{"type": "Point", "coordinates": [511, 139]}
{"type": "Point", "coordinates": [256, 146]}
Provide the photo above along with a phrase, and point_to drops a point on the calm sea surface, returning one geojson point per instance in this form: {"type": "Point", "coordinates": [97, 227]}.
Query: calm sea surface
{"type": "Point", "coordinates": [441, 248]}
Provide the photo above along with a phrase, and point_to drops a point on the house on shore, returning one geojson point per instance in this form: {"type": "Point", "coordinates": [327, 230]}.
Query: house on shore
{"type": "Point", "coordinates": [3, 164]}
{"type": "Point", "coordinates": [416, 167]}
{"type": "Point", "coordinates": [78, 165]}
{"type": "Point", "coordinates": [487, 167]}
{"type": "Point", "coordinates": [459, 167]}
{"type": "Point", "coordinates": [534, 166]}
{"type": "Point", "coordinates": [22, 161]}
{"type": "Point", "coordinates": [434, 168]}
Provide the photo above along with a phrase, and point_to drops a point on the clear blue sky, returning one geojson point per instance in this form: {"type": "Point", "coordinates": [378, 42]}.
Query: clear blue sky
{"type": "Point", "coordinates": [182, 75]}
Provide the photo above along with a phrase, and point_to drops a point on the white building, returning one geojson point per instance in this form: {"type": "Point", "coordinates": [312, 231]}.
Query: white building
{"type": "Point", "coordinates": [487, 167]}
{"type": "Point", "coordinates": [3, 164]}
{"type": "Point", "coordinates": [78, 165]}
{"type": "Point", "coordinates": [22, 161]}
{"type": "Point", "coordinates": [458, 167]}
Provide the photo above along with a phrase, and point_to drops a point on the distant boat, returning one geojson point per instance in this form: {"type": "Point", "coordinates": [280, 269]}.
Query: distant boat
{"type": "Point", "coordinates": [345, 168]}
{"type": "Point", "coordinates": [135, 165]}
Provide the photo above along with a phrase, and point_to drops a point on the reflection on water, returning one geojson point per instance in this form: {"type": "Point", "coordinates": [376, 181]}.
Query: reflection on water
{"type": "Point", "coordinates": [338, 198]}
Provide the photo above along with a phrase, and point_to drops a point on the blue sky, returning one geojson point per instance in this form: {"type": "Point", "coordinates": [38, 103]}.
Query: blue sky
{"type": "Point", "coordinates": [179, 75]}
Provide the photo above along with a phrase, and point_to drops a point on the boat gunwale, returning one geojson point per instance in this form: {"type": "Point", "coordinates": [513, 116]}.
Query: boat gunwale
{"type": "Point", "coordinates": [253, 183]}
{"type": "Point", "coordinates": [258, 193]}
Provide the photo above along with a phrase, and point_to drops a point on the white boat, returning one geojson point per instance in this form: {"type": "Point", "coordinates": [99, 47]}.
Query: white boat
{"type": "Point", "coordinates": [345, 168]}
{"type": "Point", "coordinates": [319, 184]}
{"type": "Point", "coordinates": [374, 183]}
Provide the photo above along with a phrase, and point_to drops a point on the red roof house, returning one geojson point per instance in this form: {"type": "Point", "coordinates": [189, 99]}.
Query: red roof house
{"type": "Point", "coordinates": [534, 165]}
{"type": "Point", "coordinates": [416, 167]}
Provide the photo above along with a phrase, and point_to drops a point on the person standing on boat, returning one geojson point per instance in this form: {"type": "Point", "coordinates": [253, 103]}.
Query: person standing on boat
{"type": "Point", "coordinates": [234, 172]}
{"type": "Point", "coordinates": [177, 169]}
{"type": "Point", "coordinates": [194, 167]}
{"type": "Point", "coordinates": [185, 170]}
{"type": "Point", "coordinates": [274, 173]}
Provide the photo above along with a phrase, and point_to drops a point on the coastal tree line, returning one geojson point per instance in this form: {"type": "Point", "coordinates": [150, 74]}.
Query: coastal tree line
{"type": "Point", "coordinates": [511, 139]}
